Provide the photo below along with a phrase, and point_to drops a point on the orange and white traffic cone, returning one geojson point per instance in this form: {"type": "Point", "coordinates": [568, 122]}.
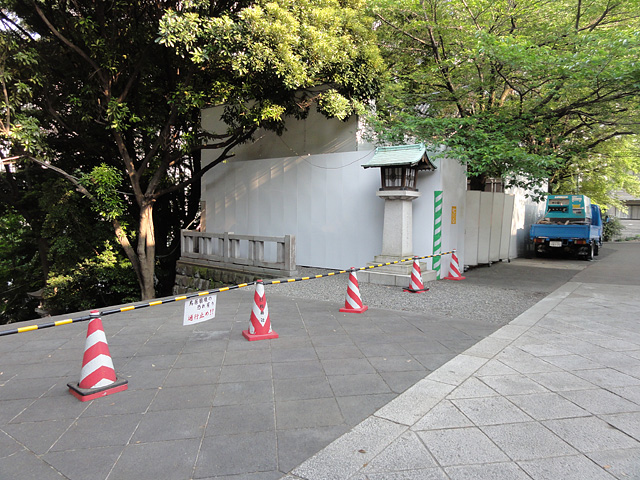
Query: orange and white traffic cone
{"type": "Point", "coordinates": [353, 301]}
{"type": "Point", "coordinates": [454, 269]}
{"type": "Point", "coordinates": [97, 377]}
{"type": "Point", "coordinates": [259, 322]}
{"type": "Point", "coordinates": [416, 285]}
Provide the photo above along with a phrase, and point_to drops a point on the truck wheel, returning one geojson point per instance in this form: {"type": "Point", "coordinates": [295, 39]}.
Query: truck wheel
{"type": "Point", "coordinates": [589, 256]}
{"type": "Point", "coordinates": [596, 249]}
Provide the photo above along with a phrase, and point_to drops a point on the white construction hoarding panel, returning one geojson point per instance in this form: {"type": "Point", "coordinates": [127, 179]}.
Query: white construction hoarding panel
{"type": "Point", "coordinates": [497, 207]}
{"type": "Point", "coordinates": [507, 227]}
{"type": "Point", "coordinates": [327, 201]}
{"type": "Point", "coordinates": [484, 227]}
{"type": "Point", "coordinates": [472, 228]}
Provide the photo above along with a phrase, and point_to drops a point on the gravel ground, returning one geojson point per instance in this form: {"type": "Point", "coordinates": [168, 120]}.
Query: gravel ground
{"type": "Point", "coordinates": [445, 298]}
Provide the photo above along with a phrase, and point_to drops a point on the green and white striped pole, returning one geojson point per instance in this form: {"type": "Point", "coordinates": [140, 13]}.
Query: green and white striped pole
{"type": "Point", "coordinates": [437, 230]}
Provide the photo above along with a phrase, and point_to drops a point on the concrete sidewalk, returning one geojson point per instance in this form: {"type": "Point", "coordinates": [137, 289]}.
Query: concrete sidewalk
{"type": "Point", "coordinates": [553, 395]}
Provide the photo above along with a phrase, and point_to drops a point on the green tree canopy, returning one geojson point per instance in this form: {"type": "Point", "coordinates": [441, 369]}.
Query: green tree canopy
{"type": "Point", "coordinates": [529, 90]}
{"type": "Point", "coordinates": [116, 106]}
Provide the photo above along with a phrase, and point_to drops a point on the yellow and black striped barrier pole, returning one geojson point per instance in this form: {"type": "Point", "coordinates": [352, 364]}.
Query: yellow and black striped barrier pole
{"type": "Point", "coordinates": [154, 303]}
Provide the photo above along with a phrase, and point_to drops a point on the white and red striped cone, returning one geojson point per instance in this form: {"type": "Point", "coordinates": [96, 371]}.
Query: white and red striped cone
{"type": "Point", "coordinates": [353, 301]}
{"type": "Point", "coordinates": [259, 322]}
{"type": "Point", "coordinates": [97, 377]}
{"type": "Point", "coordinates": [454, 269]}
{"type": "Point", "coordinates": [416, 285]}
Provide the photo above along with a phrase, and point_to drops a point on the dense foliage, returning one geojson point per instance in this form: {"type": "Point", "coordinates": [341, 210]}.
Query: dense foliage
{"type": "Point", "coordinates": [534, 91]}
{"type": "Point", "coordinates": [107, 95]}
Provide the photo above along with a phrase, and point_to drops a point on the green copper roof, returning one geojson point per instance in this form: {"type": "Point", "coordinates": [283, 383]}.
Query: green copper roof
{"type": "Point", "coordinates": [401, 155]}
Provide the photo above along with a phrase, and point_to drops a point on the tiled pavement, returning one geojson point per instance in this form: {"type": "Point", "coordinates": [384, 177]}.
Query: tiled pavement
{"type": "Point", "coordinates": [553, 395]}
{"type": "Point", "coordinates": [203, 402]}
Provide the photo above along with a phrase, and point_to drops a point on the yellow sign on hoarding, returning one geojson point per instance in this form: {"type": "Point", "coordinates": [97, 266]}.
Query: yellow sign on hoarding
{"type": "Point", "coordinates": [453, 215]}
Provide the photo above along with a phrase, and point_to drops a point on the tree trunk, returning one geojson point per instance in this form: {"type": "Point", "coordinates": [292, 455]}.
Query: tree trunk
{"type": "Point", "coordinates": [147, 251]}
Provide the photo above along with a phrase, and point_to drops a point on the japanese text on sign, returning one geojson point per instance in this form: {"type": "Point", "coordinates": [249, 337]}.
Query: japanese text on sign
{"type": "Point", "coordinates": [453, 215]}
{"type": "Point", "coordinates": [199, 309]}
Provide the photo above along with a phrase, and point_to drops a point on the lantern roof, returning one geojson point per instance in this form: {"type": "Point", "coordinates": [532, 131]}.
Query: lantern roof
{"type": "Point", "coordinates": [401, 156]}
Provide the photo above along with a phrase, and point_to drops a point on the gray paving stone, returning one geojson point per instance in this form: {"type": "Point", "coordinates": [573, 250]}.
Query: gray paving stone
{"type": "Point", "coordinates": [383, 350]}
{"type": "Point", "coordinates": [11, 408]}
{"type": "Point", "coordinates": [457, 370]}
{"type": "Point", "coordinates": [151, 379]}
{"type": "Point", "coordinates": [560, 381]}
{"type": "Point", "coordinates": [571, 362]}
{"type": "Point", "coordinates": [433, 361]}
{"type": "Point", "coordinates": [397, 363]}
{"type": "Point", "coordinates": [148, 362]}
{"type": "Point", "coordinates": [407, 452]}
{"type": "Point", "coordinates": [9, 446]}
{"type": "Point", "coordinates": [526, 441]}
{"type": "Point", "coordinates": [151, 461]}
{"type": "Point", "coordinates": [623, 464]}
{"type": "Point", "coordinates": [462, 446]}
{"type": "Point", "coordinates": [629, 393]}
{"type": "Point", "coordinates": [490, 410]}
{"type": "Point", "coordinates": [236, 454]}
{"type": "Point", "coordinates": [356, 408]}
{"type": "Point", "coordinates": [72, 463]}
{"type": "Point", "coordinates": [237, 419]}
{"type": "Point", "coordinates": [524, 362]}
{"type": "Point", "coordinates": [321, 412]}
{"type": "Point", "coordinates": [129, 401]}
{"type": "Point", "coordinates": [246, 357]}
{"type": "Point", "coordinates": [444, 415]}
{"type": "Point", "coordinates": [495, 367]}
{"type": "Point", "coordinates": [245, 373]}
{"type": "Point", "coordinates": [302, 388]}
{"type": "Point", "coordinates": [112, 430]}
{"type": "Point", "coordinates": [168, 398]}
{"type": "Point", "coordinates": [191, 376]}
{"type": "Point", "coordinates": [608, 378]}
{"type": "Point", "coordinates": [312, 368]}
{"type": "Point", "coordinates": [348, 366]}
{"type": "Point", "coordinates": [25, 465]}
{"type": "Point", "coordinates": [38, 437]}
{"type": "Point", "coordinates": [166, 425]}
{"type": "Point", "coordinates": [420, 474]}
{"type": "Point", "coordinates": [599, 401]}
{"type": "Point", "coordinates": [345, 456]}
{"type": "Point", "coordinates": [52, 408]}
{"type": "Point", "coordinates": [629, 423]}
{"type": "Point", "coordinates": [472, 388]}
{"type": "Point", "coordinates": [398, 382]}
{"type": "Point", "coordinates": [494, 471]}
{"type": "Point", "coordinates": [293, 354]}
{"type": "Point", "coordinates": [513, 384]}
{"type": "Point", "coordinates": [415, 402]}
{"type": "Point", "coordinates": [296, 446]}
{"type": "Point", "coordinates": [338, 351]}
{"type": "Point", "coordinates": [576, 467]}
{"type": "Point", "coordinates": [425, 347]}
{"type": "Point", "coordinates": [241, 393]}
{"type": "Point", "coordinates": [365, 384]}
{"type": "Point", "coordinates": [590, 434]}
{"type": "Point", "coordinates": [543, 350]}
{"type": "Point", "coordinates": [547, 406]}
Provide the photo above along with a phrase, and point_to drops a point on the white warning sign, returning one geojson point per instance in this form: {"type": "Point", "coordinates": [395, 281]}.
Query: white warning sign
{"type": "Point", "coordinates": [199, 309]}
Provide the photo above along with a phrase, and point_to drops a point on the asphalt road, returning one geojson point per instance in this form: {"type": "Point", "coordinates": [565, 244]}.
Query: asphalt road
{"type": "Point", "coordinates": [618, 264]}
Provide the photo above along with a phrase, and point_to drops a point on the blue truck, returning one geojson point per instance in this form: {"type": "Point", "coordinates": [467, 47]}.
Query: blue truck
{"type": "Point", "coordinates": [571, 224]}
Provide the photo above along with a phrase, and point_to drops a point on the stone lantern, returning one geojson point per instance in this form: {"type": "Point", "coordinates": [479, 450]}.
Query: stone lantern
{"type": "Point", "coordinates": [398, 172]}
